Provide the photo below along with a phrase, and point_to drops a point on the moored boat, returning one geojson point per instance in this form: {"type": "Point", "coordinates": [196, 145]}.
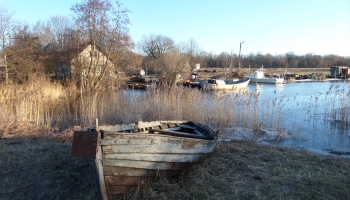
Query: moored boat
{"type": "Point", "coordinates": [128, 155]}
{"type": "Point", "coordinates": [138, 79]}
{"type": "Point", "coordinates": [259, 77]}
{"type": "Point", "coordinates": [136, 86]}
{"type": "Point", "coordinates": [224, 84]}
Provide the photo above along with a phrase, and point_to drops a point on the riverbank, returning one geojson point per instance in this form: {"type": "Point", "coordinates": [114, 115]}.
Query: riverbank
{"type": "Point", "coordinates": [37, 165]}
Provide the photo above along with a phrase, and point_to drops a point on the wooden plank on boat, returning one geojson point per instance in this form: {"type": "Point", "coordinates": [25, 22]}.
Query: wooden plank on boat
{"type": "Point", "coordinates": [127, 180]}
{"type": "Point", "coordinates": [174, 122]}
{"type": "Point", "coordinates": [181, 146]}
{"type": "Point", "coordinates": [147, 124]}
{"type": "Point", "coordinates": [163, 157]}
{"type": "Point", "coordinates": [120, 140]}
{"type": "Point", "coordinates": [123, 127]}
{"type": "Point", "coordinates": [146, 164]}
{"type": "Point", "coordinates": [181, 134]}
{"type": "Point", "coordinates": [141, 139]}
{"type": "Point", "coordinates": [101, 180]}
{"type": "Point", "coordinates": [126, 171]}
{"type": "Point", "coordinates": [117, 128]}
{"type": "Point", "coordinates": [142, 126]}
{"type": "Point", "coordinates": [115, 190]}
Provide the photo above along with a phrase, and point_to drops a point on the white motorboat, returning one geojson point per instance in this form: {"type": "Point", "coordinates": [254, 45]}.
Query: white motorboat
{"type": "Point", "coordinates": [259, 77]}
{"type": "Point", "coordinates": [224, 84]}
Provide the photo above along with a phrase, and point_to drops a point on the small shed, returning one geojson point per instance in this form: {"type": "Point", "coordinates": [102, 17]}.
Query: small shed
{"type": "Point", "coordinates": [339, 71]}
{"type": "Point", "coordinates": [334, 70]}
{"type": "Point", "coordinates": [345, 71]}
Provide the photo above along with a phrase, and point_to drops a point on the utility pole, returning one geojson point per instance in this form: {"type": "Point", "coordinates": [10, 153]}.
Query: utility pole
{"type": "Point", "coordinates": [239, 56]}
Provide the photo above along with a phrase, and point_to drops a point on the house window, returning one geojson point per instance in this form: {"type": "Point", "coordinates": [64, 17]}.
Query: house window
{"type": "Point", "coordinates": [93, 53]}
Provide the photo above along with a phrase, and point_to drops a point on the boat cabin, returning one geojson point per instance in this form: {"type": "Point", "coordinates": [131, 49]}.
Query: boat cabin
{"type": "Point", "coordinates": [259, 74]}
{"type": "Point", "coordinates": [216, 81]}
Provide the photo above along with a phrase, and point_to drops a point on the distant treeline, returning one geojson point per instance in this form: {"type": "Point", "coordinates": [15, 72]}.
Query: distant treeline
{"type": "Point", "coordinates": [288, 60]}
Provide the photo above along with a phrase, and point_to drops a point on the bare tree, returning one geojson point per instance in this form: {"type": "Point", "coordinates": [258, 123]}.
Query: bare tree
{"type": "Point", "coordinates": [105, 26]}
{"type": "Point", "coordinates": [59, 26]}
{"type": "Point", "coordinates": [7, 25]}
{"type": "Point", "coordinates": [44, 33]}
{"type": "Point", "coordinates": [194, 52]}
{"type": "Point", "coordinates": [174, 63]}
{"type": "Point", "coordinates": [25, 52]}
{"type": "Point", "coordinates": [155, 47]}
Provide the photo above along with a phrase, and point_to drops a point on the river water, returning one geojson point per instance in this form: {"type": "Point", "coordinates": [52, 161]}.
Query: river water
{"type": "Point", "coordinates": [320, 110]}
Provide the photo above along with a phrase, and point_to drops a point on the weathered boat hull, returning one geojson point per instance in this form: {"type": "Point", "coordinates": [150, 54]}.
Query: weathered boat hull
{"type": "Point", "coordinates": [125, 160]}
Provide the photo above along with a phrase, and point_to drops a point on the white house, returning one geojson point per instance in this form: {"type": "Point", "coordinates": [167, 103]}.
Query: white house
{"type": "Point", "coordinates": [91, 60]}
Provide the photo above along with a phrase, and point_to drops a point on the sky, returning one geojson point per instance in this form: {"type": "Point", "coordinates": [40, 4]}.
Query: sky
{"type": "Point", "coordinates": [319, 27]}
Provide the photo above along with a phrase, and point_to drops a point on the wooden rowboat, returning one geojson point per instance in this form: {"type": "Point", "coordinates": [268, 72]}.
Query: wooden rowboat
{"type": "Point", "coordinates": [129, 155]}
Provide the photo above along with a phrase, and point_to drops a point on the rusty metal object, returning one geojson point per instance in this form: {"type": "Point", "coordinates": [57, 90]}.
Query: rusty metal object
{"type": "Point", "coordinates": [85, 143]}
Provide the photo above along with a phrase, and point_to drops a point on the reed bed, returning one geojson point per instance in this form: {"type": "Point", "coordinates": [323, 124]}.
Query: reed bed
{"type": "Point", "coordinates": [37, 119]}
{"type": "Point", "coordinates": [29, 104]}
{"type": "Point", "coordinates": [57, 108]}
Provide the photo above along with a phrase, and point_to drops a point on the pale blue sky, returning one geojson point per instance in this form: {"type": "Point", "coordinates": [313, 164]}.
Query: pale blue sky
{"type": "Point", "coordinates": [321, 27]}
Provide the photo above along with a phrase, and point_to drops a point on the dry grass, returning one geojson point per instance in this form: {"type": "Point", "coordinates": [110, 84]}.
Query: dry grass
{"type": "Point", "coordinates": [40, 167]}
{"type": "Point", "coordinates": [30, 103]}
{"type": "Point", "coordinates": [244, 170]}
{"type": "Point", "coordinates": [34, 167]}
{"type": "Point", "coordinates": [56, 108]}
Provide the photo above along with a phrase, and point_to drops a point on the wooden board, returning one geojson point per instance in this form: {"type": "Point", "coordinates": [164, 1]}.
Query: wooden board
{"type": "Point", "coordinates": [127, 180]}
{"type": "Point", "coordinates": [115, 190]}
{"type": "Point", "coordinates": [178, 147]}
{"type": "Point", "coordinates": [125, 171]}
{"type": "Point", "coordinates": [141, 139]}
{"type": "Point", "coordinates": [99, 166]}
{"type": "Point", "coordinates": [147, 164]}
{"type": "Point", "coordinates": [155, 157]}
{"type": "Point", "coordinates": [117, 128]}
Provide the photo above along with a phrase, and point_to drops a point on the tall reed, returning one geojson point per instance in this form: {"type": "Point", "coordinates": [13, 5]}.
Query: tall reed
{"type": "Point", "coordinates": [29, 103]}
{"type": "Point", "coordinates": [53, 106]}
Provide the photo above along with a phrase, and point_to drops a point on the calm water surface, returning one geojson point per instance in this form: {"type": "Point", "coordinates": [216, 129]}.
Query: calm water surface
{"type": "Point", "coordinates": [315, 115]}
{"type": "Point", "coordinates": [311, 106]}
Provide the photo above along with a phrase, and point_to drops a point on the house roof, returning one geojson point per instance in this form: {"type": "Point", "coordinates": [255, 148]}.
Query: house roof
{"type": "Point", "coordinates": [69, 54]}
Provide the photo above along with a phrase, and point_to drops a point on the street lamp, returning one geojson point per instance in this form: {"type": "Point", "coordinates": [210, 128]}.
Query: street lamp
{"type": "Point", "coordinates": [239, 56]}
